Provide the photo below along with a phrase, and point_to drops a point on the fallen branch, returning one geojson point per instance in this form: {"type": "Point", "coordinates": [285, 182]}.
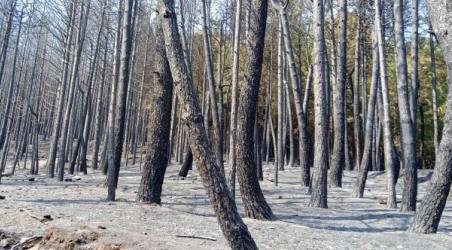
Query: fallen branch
{"type": "Point", "coordinates": [196, 237]}
{"type": "Point", "coordinates": [28, 243]}
{"type": "Point", "coordinates": [43, 219]}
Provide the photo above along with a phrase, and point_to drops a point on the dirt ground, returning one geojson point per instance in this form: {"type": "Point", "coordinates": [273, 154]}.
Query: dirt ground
{"type": "Point", "coordinates": [186, 220]}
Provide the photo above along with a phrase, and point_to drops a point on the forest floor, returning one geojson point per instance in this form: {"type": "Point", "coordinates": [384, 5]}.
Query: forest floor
{"type": "Point", "coordinates": [185, 214]}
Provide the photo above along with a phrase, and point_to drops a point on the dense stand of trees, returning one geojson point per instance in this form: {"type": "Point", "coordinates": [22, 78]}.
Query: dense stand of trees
{"type": "Point", "coordinates": [227, 86]}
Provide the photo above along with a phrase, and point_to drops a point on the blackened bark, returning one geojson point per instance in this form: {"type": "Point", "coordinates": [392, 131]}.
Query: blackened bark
{"type": "Point", "coordinates": [234, 229]}
{"type": "Point", "coordinates": [338, 157]}
{"type": "Point", "coordinates": [126, 48]}
{"type": "Point", "coordinates": [62, 95]}
{"type": "Point", "coordinates": [157, 154]}
{"type": "Point", "coordinates": [187, 165]}
{"type": "Point", "coordinates": [253, 199]}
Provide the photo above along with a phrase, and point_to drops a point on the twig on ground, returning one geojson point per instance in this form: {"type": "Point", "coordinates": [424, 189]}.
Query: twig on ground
{"type": "Point", "coordinates": [196, 237]}
{"type": "Point", "coordinates": [43, 219]}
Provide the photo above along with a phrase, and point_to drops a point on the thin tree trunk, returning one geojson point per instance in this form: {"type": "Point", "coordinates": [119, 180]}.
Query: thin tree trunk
{"type": "Point", "coordinates": [414, 61]}
{"type": "Point", "coordinates": [434, 98]}
{"type": "Point", "coordinates": [99, 110]}
{"type": "Point", "coordinates": [281, 106]}
{"type": "Point", "coordinates": [234, 99]}
{"type": "Point", "coordinates": [358, 191]}
{"type": "Point", "coordinates": [4, 51]}
{"type": "Point", "coordinates": [356, 77]}
{"type": "Point", "coordinates": [299, 105]}
{"type": "Point", "coordinates": [390, 157]}
{"type": "Point", "coordinates": [72, 84]}
{"type": "Point", "coordinates": [120, 117]}
{"type": "Point", "coordinates": [12, 84]}
{"type": "Point", "coordinates": [212, 93]}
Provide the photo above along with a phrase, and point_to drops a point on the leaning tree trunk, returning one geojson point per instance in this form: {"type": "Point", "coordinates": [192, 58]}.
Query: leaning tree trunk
{"type": "Point", "coordinates": [321, 151]}
{"type": "Point", "coordinates": [434, 99]}
{"type": "Point", "coordinates": [253, 199]}
{"type": "Point", "coordinates": [358, 191]}
{"type": "Point", "coordinates": [72, 84]}
{"type": "Point", "coordinates": [303, 150]}
{"type": "Point", "coordinates": [234, 229]}
{"type": "Point", "coordinates": [212, 93]}
{"type": "Point", "coordinates": [429, 213]}
{"type": "Point", "coordinates": [123, 84]}
{"type": "Point", "coordinates": [6, 113]}
{"type": "Point", "coordinates": [338, 157]}
{"type": "Point", "coordinates": [390, 157]}
{"type": "Point", "coordinates": [99, 110]}
{"type": "Point", "coordinates": [62, 95]}
{"type": "Point", "coordinates": [407, 124]}
{"type": "Point", "coordinates": [157, 154]}
{"type": "Point", "coordinates": [414, 61]}
{"type": "Point", "coordinates": [4, 51]}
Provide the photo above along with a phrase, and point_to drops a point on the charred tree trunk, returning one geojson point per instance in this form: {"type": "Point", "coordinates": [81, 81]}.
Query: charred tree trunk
{"type": "Point", "coordinates": [123, 84]}
{"type": "Point", "coordinates": [156, 162]}
{"type": "Point", "coordinates": [233, 228]}
{"type": "Point", "coordinates": [255, 205]}
{"type": "Point", "coordinates": [338, 157]}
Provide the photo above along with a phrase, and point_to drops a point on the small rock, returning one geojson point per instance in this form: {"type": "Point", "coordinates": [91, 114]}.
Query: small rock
{"type": "Point", "coordinates": [76, 178]}
{"type": "Point", "coordinates": [2, 197]}
{"type": "Point", "coordinates": [101, 227]}
{"type": "Point", "coordinates": [280, 197]}
{"type": "Point", "coordinates": [68, 179]}
{"type": "Point", "coordinates": [47, 217]}
{"type": "Point", "coordinates": [31, 179]}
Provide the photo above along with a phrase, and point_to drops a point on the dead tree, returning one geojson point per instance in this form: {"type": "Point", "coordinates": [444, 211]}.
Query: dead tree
{"type": "Point", "coordinates": [123, 84]}
{"type": "Point", "coordinates": [214, 181]}
{"type": "Point", "coordinates": [160, 100]}
{"type": "Point", "coordinates": [253, 199]}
